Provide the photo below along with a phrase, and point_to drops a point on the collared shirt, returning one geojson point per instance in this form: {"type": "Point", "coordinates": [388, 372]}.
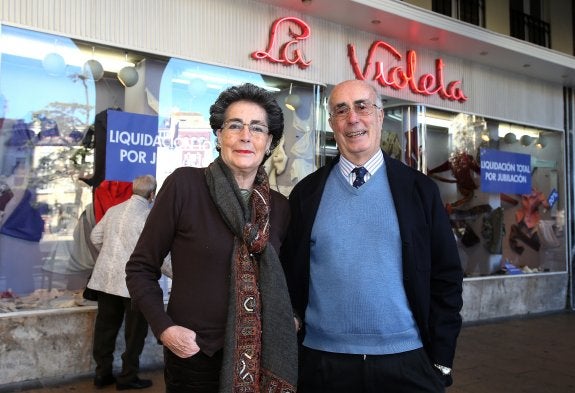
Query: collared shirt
{"type": "Point", "coordinates": [372, 165]}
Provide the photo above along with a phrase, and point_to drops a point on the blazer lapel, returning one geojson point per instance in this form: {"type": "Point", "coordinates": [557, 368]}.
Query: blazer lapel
{"type": "Point", "coordinates": [311, 197]}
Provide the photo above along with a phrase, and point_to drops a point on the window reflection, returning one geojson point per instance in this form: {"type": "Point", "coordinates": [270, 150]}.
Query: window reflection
{"type": "Point", "coordinates": [497, 233]}
{"type": "Point", "coordinates": [53, 132]}
{"type": "Point", "coordinates": [48, 103]}
{"type": "Point", "coordinates": [187, 91]}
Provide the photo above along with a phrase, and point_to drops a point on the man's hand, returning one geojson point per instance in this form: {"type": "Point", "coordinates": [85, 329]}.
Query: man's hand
{"type": "Point", "coordinates": [297, 322]}
{"type": "Point", "coordinates": [180, 340]}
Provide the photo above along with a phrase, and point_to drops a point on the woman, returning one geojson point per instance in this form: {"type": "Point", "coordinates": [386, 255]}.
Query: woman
{"type": "Point", "coordinates": [229, 324]}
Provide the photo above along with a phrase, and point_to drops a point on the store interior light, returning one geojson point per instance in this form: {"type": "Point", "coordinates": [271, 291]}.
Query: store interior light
{"type": "Point", "coordinates": [292, 101]}
{"type": "Point", "coordinates": [526, 140]}
{"type": "Point", "coordinates": [54, 64]}
{"type": "Point", "coordinates": [73, 55]}
{"type": "Point", "coordinates": [434, 121]}
{"type": "Point", "coordinates": [540, 142]}
{"type": "Point", "coordinates": [128, 76]}
{"type": "Point", "coordinates": [510, 138]}
{"type": "Point", "coordinates": [511, 133]}
{"type": "Point", "coordinates": [93, 69]}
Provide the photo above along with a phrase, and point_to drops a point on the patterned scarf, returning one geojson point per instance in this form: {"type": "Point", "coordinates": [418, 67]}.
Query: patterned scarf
{"type": "Point", "coordinates": [260, 349]}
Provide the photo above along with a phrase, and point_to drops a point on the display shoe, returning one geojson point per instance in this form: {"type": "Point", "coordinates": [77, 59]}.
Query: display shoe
{"type": "Point", "coordinates": [135, 384]}
{"type": "Point", "coordinates": [101, 381]}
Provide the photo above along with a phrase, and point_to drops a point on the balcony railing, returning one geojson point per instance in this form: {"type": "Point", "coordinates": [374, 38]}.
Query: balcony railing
{"type": "Point", "coordinates": [528, 28]}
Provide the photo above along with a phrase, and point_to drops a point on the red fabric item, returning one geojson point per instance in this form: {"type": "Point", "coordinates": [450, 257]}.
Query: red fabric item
{"type": "Point", "coordinates": [108, 194]}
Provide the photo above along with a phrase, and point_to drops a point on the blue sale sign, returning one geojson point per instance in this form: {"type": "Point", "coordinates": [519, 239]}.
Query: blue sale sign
{"type": "Point", "coordinates": [131, 143]}
{"type": "Point", "coordinates": [505, 172]}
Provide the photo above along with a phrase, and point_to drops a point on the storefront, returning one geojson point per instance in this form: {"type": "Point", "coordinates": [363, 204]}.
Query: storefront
{"type": "Point", "coordinates": [493, 140]}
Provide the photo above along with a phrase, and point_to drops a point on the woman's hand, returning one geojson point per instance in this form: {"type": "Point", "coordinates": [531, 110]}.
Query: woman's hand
{"type": "Point", "coordinates": [180, 340]}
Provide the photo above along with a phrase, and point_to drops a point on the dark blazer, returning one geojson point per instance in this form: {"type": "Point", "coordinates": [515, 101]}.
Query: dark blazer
{"type": "Point", "coordinates": [432, 273]}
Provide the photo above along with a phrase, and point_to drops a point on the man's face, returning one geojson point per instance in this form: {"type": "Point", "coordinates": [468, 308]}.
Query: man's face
{"type": "Point", "coordinates": [355, 121]}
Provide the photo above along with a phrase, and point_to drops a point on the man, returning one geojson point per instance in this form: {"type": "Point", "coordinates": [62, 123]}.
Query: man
{"type": "Point", "coordinates": [115, 236]}
{"type": "Point", "coordinates": [371, 265]}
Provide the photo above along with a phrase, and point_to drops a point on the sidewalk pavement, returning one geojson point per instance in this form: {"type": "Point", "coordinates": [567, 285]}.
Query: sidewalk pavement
{"type": "Point", "coordinates": [534, 354]}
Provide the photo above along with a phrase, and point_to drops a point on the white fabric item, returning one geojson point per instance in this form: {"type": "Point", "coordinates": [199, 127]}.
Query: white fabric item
{"type": "Point", "coordinates": [83, 253]}
{"type": "Point", "coordinates": [302, 150]}
{"type": "Point", "coordinates": [116, 236]}
{"type": "Point", "coordinates": [547, 234]}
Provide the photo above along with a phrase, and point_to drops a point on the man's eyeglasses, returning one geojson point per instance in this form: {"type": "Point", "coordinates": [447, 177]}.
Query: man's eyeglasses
{"type": "Point", "coordinates": [360, 109]}
{"type": "Point", "coordinates": [236, 126]}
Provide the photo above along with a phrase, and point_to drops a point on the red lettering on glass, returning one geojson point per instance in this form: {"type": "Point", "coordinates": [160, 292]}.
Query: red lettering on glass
{"type": "Point", "coordinates": [398, 78]}
{"type": "Point", "coordinates": [284, 49]}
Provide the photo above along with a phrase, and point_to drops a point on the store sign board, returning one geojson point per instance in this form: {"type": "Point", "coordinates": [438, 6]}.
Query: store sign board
{"type": "Point", "coordinates": [131, 144]}
{"type": "Point", "coordinates": [284, 50]}
{"type": "Point", "coordinates": [401, 76]}
{"type": "Point", "coordinates": [505, 172]}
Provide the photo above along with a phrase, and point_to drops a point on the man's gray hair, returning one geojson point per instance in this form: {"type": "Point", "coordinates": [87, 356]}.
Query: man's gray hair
{"type": "Point", "coordinates": [144, 185]}
{"type": "Point", "coordinates": [378, 99]}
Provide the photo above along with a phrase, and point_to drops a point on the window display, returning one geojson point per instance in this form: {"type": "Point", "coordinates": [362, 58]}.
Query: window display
{"type": "Point", "coordinates": [502, 186]}
{"type": "Point", "coordinates": [47, 103]}
{"type": "Point", "coordinates": [55, 99]}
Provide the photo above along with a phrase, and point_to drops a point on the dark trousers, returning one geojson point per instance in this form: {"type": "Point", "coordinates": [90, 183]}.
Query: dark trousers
{"type": "Point", "coordinates": [326, 372]}
{"type": "Point", "coordinates": [112, 310]}
{"type": "Point", "coordinates": [197, 374]}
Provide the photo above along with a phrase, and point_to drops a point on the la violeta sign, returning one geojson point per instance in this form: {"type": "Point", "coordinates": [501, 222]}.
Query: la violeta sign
{"type": "Point", "coordinates": [400, 75]}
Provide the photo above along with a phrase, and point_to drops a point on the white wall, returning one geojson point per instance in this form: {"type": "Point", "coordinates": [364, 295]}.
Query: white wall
{"type": "Point", "coordinates": [207, 31]}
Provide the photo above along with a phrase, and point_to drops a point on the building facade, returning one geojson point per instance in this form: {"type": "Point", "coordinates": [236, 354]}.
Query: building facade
{"type": "Point", "coordinates": [484, 107]}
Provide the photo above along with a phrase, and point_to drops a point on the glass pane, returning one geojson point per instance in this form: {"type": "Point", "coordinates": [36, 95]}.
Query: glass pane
{"type": "Point", "coordinates": [54, 103]}
{"type": "Point", "coordinates": [492, 228]}
{"type": "Point", "coordinates": [499, 231]}
{"type": "Point", "coordinates": [187, 91]}
{"type": "Point", "coordinates": [48, 103]}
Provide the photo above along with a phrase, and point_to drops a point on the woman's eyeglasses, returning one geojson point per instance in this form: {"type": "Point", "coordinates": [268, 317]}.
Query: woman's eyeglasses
{"type": "Point", "coordinates": [236, 126]}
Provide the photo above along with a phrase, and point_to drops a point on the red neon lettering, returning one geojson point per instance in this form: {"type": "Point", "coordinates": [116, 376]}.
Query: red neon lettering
{"type": "Point", "coordinates": [397, 78]}
{"type": "Point", "coordinates": [284, 49]}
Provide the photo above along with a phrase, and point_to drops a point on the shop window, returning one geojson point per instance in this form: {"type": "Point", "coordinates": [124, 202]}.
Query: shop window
{"type": "Point", "coordinates": [187, 91]}
{"type": "Point", "coordinates": [499, 231]}
{"type": "Point", "coordinates": [55, 97]}
{"type": "Point", "coordinates": [47, 104]}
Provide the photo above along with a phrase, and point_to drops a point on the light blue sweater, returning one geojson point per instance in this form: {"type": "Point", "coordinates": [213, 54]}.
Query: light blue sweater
{"type": "Point", "coordinates": [357, 303]}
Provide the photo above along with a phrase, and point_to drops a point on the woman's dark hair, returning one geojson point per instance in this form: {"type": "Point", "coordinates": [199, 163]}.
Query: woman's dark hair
{"type": "Point", "coordinates": [251, 93]}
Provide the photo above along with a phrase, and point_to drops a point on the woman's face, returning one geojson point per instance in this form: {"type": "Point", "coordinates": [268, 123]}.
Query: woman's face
{"type": "Point", "coordinates": [244, 137]}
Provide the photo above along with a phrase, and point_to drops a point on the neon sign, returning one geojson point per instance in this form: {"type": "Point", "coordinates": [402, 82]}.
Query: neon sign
{"type": "Point", "coordinates": [283, 56]}
{"type": "Point", "coordinates": [398, 78]}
